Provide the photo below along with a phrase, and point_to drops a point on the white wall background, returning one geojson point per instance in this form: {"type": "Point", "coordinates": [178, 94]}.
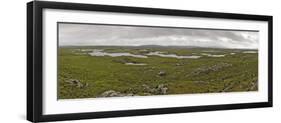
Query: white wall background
{"type": "Point", "coordinates": [13, 61]}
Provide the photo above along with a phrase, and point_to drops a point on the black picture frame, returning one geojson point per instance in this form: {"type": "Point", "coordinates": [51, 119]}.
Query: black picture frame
{"type": "Point", "coordinates": [34, 60]}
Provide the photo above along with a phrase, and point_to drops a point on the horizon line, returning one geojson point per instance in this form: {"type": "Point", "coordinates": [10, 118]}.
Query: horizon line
{"type": "Point", "coordinates": [149, 45]}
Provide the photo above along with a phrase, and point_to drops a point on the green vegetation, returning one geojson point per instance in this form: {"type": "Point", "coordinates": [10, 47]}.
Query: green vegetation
{"type": "Point", "coordinates": [81, 75]}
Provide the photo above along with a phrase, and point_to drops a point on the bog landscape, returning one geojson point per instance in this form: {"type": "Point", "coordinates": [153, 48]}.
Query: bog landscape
{"type": "Point", "coordinates": [108, 71]}
{"type": "Point", "coordinates": [100, 61]}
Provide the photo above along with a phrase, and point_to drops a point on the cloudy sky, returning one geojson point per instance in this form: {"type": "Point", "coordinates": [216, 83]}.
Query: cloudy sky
{"type": "Point", "coordinates": [83, 34]}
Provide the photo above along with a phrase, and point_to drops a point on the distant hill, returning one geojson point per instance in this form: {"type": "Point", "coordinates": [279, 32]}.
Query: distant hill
{"type": "Point", "coordinates": [154, 46]}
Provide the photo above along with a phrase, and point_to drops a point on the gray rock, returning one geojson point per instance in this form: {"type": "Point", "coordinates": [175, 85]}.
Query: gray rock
{"type": "Point", "coordinates": [161, 86]}
{"type": "Point", "coordinates": [112, 93]}
{"type": "Point", "coordinates": [162, 73]}
{"type": "Point", "coordinates": [206, 70]}
{"type": "Point", "coordinates": [162, 89]}
{"type": "Point", "coordinates": [159, 89]}
{"type": "Point", "coordinates": [153, 91]}
{"type": "Point", "coordinates": [77, 83]}
{"type": "Point", "coordinates": [253, 85]}
{"type": "Point", "coordinates": [73, 81]}
{"type": "Point", "coordinates": [145, 87]}
{"type": "Point", "coordinates": [179, 64]}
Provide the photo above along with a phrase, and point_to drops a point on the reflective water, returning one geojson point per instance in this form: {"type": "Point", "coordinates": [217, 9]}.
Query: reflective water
{"type": "Point", "coordinates": [210, 55]}
{"type": "Point", "coordinates": [157, 53]}
{"type": "Point", "coordinates": [96, 52]}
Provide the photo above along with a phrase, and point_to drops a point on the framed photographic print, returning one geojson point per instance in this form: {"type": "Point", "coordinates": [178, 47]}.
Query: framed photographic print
{"type": "Point", "coordinates": [96, 61]}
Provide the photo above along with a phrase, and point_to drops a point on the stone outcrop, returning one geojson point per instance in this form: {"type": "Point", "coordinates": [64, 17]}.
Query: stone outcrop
{"type": "Point", "coordinates": [77, 83]}
{"type": "Point", "coordinates": [213, 68]}
{"type": "Point", "coordinates": [112, 93]}
{"type": "Point", "coordinates": [159, 89]}
{"type": "Point", "coordinates": [162, 73]}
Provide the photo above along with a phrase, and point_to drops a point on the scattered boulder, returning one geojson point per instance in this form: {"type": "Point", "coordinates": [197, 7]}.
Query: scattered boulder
{"type": "Point", "coordinates": [112, 93]}
{"type": "Point", "coordinates": [159, 89]}
{"type": "Point", "coordinates": [162, 89]}
{"type": "Point", "coordinates": [206, 70]}
{"type": "Point", "coordinates": [253, 86]}
{"type": "Point", "coordinates": [179, 64]}
{"type": "Point", "coordinates": [229, 86]}
{"type": "Point", "coordinates": [145, 87]}
{"type": "Point", "coordinates": [73, 81]}
{"type": "Point", "coordinates": [152, 91]}
{"type": "Point", "coordinates": [76, 83]}
{"type": "Point", "coordinates": [162, 73]}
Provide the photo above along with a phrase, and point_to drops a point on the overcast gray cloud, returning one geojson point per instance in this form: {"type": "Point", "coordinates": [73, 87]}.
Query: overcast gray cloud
{"type": "Point", "coordinates": [83, 34]}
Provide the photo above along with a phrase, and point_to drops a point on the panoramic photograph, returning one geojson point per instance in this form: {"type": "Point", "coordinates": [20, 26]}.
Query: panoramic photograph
{"type": "Point", "coordinates": [106, 60]}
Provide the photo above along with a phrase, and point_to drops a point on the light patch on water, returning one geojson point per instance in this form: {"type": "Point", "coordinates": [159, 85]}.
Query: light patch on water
{"type": "Point", "coordinates": [86, 50]}
{"type": "Point", "coordinates": [97, 52]}
{"type": "Point", "coordinates": [157, 53]}
{"type": "Point", "coordinates": [232, 53]}
{"type": "Point", "coordinates": [250, 52]}
{"type": "Point", "coordinates": [210, 55]}
{"type": "Point", "coordinates": [140, 64]}
{"type": "Point", "coordinates": [211, 51]}
{"type": "Point", "coordinates": [80, 53]}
